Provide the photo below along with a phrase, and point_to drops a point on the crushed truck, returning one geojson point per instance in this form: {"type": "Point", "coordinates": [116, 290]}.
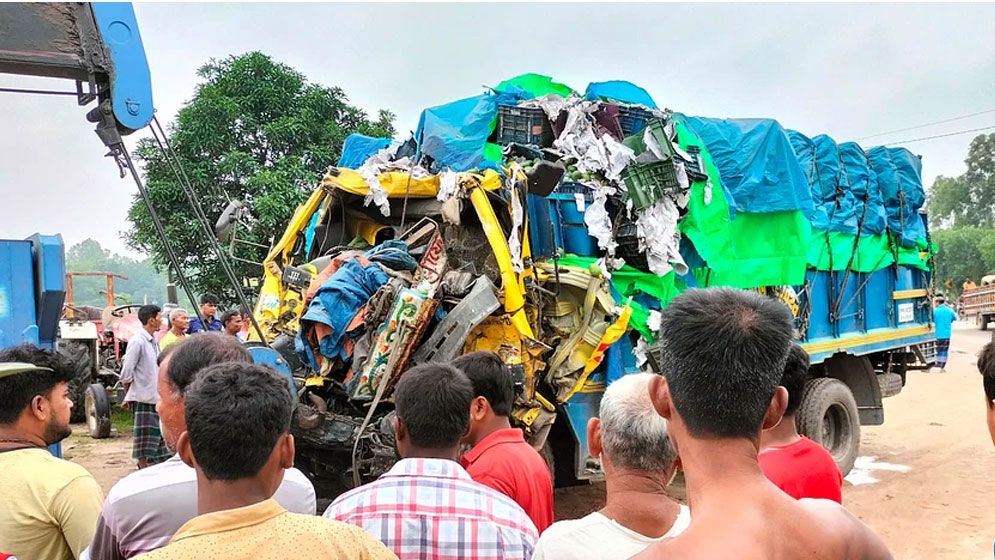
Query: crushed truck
{"type": "Point", "coordinates": [552, 226]}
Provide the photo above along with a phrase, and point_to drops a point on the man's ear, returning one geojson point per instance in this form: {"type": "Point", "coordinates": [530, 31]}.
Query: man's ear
{"type": "Point", "coordinates": [287, 449]}
{"type": "Point", "coordinates": [185, 451]}
{"type": "Point", "coordinates": [660, 396]}
{"type": "Point", "coordinates": [478, 408]}
{"type": "Point", "coordinates": [775, 410]}
{"type": "Point", "coordinates": [594, 437]}
{"type": "Point", "coordinates": [40, 408]}
{"type": "Point", "coordinates": [400, 430]}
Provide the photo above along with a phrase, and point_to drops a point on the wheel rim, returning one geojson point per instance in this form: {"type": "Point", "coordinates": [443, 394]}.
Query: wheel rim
{"type": "Point", "coordinates": [91, 411]}
{"type": "Point", "coordinates": [836, 430]}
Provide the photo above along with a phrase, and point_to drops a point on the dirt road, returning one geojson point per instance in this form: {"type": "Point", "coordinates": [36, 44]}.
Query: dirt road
{"type": "Point", "coordinates": [924, 481]}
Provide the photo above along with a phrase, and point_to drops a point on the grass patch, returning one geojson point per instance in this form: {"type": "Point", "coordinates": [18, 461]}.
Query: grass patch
{"type": "Point", "coordinates": [123, 421]}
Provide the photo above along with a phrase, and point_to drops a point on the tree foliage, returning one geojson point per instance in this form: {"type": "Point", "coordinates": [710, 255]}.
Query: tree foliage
{"type": "Point", "coordinates": [962, 214]}
{"type": "Point", "coordinates": [144, 283]}
{"type": "Point", "coordinates": [968, 200]}
{"type": "Point", "coordinates": [255, 130]}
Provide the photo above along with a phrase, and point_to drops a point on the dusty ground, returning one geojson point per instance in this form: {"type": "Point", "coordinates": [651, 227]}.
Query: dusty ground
{"type": "Point", "coordinates": [924, 482]}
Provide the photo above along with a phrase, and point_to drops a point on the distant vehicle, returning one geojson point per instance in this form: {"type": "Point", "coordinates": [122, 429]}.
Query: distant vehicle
{"type": "Point", "coordinates": [978, 304]}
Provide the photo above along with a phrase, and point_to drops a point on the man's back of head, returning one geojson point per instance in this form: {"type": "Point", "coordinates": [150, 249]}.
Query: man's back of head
{"type": "Point", "coordinates": [237, 416]}
{"type": "Point", "coordinates": [986, 365]}
{"type": "Point", "coordinates": [722, 352]}
{"type": "Point", "coordinates": [193, 354]}
{"type": "Point", "coordinates": [433, 410]}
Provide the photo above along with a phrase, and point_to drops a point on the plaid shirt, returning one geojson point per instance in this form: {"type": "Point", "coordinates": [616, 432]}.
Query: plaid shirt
{"type": "Point", "coordinates": [432, 509]}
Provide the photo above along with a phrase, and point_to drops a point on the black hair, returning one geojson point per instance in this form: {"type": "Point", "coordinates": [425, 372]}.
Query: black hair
{"type": "Point", "coordinates": [209, 298]}
{"type": "Point", "coordinates": [794, 377]}
{"type": "Point", "coordinates": [433, 399]}
{"type": "Point", "coordinates": [491, 379]}
{"type": "Point", "coordinates": [236, 414]}
{"type": "Point", "coordinates": [17, 391]}
{"type": "Point", "coordinates": [986, 365]}
{"type": "Point", "coordinates": [191, 355]}
{"type": "Point", "coordinates": [723, 351]}
{"type": "Point", "coordinates": [147, 312]}
{"type": "Point", "coordinates": [228, 316]}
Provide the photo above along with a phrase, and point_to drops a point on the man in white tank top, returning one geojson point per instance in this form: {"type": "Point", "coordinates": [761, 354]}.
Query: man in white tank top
{"type": "Point", "coordinates": [639, 460]}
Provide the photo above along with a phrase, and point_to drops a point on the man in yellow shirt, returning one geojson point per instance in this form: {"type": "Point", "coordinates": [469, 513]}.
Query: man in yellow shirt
{"type": "Point", "coordinates": [48, 507]}
{"type": "Point", "coordinates": [238, 441]}
{"type": "Point", "coordinates": [179, 320]}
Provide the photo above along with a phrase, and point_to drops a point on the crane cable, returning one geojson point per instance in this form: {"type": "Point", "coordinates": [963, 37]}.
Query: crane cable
{"type": "Point", "coordinates": [173, 161]}
{"type": "Point", "coordinates": [123, 159]}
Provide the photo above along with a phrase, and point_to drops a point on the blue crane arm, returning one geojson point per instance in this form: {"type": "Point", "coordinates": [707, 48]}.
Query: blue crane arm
{"type": "Point", "coordinates": [96, 44]}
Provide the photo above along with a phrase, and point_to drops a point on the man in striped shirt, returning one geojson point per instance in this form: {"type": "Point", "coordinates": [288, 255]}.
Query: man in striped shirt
{"type": "Point", "coordinates": [427, 506]}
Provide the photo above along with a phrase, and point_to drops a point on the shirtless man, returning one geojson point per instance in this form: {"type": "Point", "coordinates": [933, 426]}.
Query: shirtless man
{"type": "Point", "coordinates": [721, 352]}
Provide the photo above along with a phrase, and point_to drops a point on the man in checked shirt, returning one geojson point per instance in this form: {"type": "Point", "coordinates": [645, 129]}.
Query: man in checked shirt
{"type": "Point", "coordinates": [427, 506]}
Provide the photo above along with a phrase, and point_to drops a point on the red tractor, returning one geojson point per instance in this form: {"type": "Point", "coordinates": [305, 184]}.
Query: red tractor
{"type": "Point", "coordinates": [95, 340]}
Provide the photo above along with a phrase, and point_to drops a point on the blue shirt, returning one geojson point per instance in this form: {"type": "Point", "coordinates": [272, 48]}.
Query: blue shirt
{"type": "Point", "coordinates": [196, 325]}
{"type": "Point", "coordinates": [944, 318]}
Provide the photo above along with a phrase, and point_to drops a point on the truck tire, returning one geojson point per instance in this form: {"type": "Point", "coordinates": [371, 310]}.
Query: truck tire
{"type": "Point", "coordinates": [77, 355]}
{"type": "Point", "coordinates": [890, 384]}
{"type": "Point", "coordinates": [828, 415]}
{"type": "Point", "coordinates": [98, 411]}
{"type": "Point", "coordinates": [982, 321]}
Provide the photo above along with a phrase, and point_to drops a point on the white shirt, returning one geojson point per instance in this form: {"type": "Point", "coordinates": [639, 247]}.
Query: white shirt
{"type": "Point", "coordinates": [140, 368]}
{"type": "Point", "coordinates": [596, 537]}
{"type": "Point", "coordinates": [145, 508]}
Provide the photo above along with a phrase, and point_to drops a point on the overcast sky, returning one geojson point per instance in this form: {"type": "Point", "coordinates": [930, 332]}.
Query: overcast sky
{"type": "Point", "coordinates": [846, 70]}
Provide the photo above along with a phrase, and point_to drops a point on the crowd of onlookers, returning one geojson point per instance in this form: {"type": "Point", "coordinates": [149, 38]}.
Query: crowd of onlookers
{"type": "Point", "coordinates": [220, 483]}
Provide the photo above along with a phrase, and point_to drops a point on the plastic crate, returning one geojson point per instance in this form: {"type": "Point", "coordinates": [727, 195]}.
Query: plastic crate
{"type": "Point", "coordinates": [523, 125]}
{"type": "Point", "coordinates": [632, 119]}
{"type": "Point", "coordinates": [695, 168]}
{"type": "Point", "coordinates": [627, 237]}
{"type": "Point", "coordinates": [647, 183]}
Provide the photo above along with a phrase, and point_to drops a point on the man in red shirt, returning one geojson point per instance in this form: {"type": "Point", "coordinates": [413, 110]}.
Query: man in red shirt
{"type": "Point", "coordinates": [501, 458]}
{"type": "Point", "coordinates": [796, 464]}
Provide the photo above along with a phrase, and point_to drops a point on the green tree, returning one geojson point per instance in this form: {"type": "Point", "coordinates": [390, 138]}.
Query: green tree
{"type": "Point", "coordinates": [143, 284]}
{"type": "Point", "coordinates": [256, 130]}
{"type": "Point", "coordinates": [968, 200]}
{"type": "Point", "coordinates": [962, 253]}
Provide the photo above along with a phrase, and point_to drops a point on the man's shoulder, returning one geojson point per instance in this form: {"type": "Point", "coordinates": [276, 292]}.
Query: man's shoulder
{"type": "Point", "coordinates": [149, 480]}
{"type": "Point", "coordinates": [567, 529]}
{"type": "Point", "coordinates": [48, 468]}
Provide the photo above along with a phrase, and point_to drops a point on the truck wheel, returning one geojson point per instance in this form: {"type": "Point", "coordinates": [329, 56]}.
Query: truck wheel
{"type": "Point", "coordinates": [890, 384]}
{"type": "Point", "coordinates": [77, 355]}
{"type": "Point", "coordinates": [982, 321]}
{"type": "Point", "coordinates": [828, 415]}
{"type": "Point", "coordinates": [98, 411]}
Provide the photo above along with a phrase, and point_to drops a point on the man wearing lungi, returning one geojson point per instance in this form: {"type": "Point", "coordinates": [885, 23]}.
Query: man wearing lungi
{"type": "Point", "coordinates": [139, 375]}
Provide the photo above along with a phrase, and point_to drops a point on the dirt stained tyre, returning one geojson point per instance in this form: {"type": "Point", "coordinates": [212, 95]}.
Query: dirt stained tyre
{"type": "Point", "coordinates": [98, 411]}
{"type": "Point", "coordinates": [828, 415]}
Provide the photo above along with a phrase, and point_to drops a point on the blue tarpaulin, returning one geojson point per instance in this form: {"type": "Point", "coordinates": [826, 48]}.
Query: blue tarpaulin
{"type": "Point", "coordinates": [357, 148]}
{"type": "Point", "coordinates": [899, 174]}
{"type": "Point", "coordinates": [862, 182]}
{"type": "Point", "coordinates": [756, 164]}
{"type": "Point", "coordinates": [618, 90]}
{"type": "Point", "coordinates": [820, 159]}
{"type": "Point", "coordinates": [454, 134]}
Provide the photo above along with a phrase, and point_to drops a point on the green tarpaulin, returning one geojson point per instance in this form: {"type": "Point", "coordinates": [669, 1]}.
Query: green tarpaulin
{"type": "Point", "coordinates": [750, 251]}
{"type": "Point", "coordinates": [535, 85]}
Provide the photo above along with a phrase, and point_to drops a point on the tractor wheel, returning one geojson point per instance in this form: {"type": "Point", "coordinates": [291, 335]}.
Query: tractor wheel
{"type": "Point", "coordinates": [77, 355]}
{"type": "Point", "coordinates": [828, 415]}
{"type": "Point", "coordinates": [98, 411]}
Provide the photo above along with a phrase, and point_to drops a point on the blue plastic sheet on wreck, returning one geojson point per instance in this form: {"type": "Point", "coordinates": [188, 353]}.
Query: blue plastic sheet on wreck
{"type": "Point", "coordinates": [454, 134]}
{"type": "Point", "coordinates": [864, 185]}
{"type": "Point", "coordinates": [357, 148]}
{"type": "Point", "coordinates": [756, 164]}
{"type": "Point", "coordinates": [899, 173]}
{"type": "Point", "coordinates": [619, 90]}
